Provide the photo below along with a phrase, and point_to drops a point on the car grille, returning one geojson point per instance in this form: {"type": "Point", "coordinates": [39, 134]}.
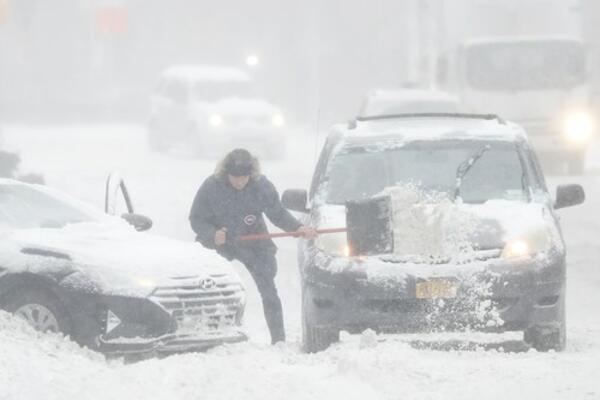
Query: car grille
{"type": "Point", "coordinates": [200, 305]}
{"type": "Point", "coordinates": [477, 255]}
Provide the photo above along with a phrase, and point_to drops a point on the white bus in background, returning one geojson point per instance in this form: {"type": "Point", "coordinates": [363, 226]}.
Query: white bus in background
{"type": "Point", "coordinates": [539, 82]}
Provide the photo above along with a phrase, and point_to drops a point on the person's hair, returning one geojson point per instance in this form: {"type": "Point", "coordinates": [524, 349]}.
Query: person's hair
{"type": "Point", "coordinates": [236, 157]}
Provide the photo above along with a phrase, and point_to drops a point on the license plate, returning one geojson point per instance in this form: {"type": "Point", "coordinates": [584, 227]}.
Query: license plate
{"type": "Point", "coordinates": [438, 289]}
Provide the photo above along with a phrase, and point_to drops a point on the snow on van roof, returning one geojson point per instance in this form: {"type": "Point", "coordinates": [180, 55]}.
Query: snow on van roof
{"type": "Point", "coordinates": [521, 39]}
{"type": "Point", "coordinates": [206, 73]}
{"type": "Point", "coordinates": [432, 128]}
{"type": "Point", "coordinates": [410, 95]}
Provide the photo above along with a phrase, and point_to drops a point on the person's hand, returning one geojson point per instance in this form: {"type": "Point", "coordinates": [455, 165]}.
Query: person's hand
{"type": "Point", "coordinates": [221, 236]}
{"type": "Point", "coordinates": [305, 232]}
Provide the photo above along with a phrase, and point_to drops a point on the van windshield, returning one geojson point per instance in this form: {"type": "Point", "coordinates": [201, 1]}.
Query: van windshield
{"type": "Point", "coordinates": [361, 172]}
{"type": "Point", "coordinates": [525, 65]}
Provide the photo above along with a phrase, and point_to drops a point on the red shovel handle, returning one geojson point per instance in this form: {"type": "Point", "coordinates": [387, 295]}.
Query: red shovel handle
{"type": "Point", "coordinates": [259, 236]}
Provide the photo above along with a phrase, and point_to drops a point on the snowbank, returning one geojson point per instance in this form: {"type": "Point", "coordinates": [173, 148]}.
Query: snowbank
{"type": "Point", "coordinates": [35, 366]}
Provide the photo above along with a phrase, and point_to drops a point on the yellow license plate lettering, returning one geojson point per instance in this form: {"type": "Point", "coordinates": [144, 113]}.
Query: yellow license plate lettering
{"type": "Point", "coordinates": [435, 290]}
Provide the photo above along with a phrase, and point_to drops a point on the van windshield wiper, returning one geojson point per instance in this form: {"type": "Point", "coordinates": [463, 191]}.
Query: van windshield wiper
{"type": "Point", "coordinates": [465, 167]}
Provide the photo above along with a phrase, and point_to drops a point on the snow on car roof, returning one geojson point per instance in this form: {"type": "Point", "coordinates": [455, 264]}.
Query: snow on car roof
{"type": "Point", "coordinates": [410, 95]}
{"type": "Point", "coordinates": [431, 128]}
{"type": "Point", "coordinates": [206, 73]}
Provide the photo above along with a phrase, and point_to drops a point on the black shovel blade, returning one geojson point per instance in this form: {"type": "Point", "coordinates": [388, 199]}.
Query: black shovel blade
{"type": "Point", "coordinates": [369, 224]}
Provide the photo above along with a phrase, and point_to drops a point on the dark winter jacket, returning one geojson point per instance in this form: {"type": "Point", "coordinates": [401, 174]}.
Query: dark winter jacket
{"type": "Point", "coordinates": [218, 204]}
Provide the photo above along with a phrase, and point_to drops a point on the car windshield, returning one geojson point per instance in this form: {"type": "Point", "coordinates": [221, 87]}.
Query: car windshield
{"type": "Point", "coordinates": [525, 66]}
{"type": "Point", "coordinates": [361, 172]}
{"type": "Point", "coordinates": [210, 91]}
{"type": "Point", "coordinates": [25, 207]}
{"type": "Point", "coordinates": [418, 106]}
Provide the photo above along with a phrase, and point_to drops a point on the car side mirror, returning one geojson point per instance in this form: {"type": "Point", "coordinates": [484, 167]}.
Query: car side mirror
{"type": "Point", "coordinates": [569, 195]}
{"type": "Point", "coordinates": [140, 222]}
{"type": "Point", "coordinates": [295, 200]}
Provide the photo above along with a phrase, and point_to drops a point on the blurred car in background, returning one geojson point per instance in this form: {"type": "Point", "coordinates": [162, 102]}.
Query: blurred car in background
{"type": "Point", "coordinates": [67, 267]}
{"type": "Point", "coordinates": [9, 168]}
{"type": "Point", "coordinates": [9, 165]}
{"type": "Point", "coordinates": [408, 101]}
{"type": "Point", "coordinates": [213, 109]}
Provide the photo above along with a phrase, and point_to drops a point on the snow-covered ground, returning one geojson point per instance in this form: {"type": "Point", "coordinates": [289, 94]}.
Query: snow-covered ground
{"type": "Point", "coordinates": [77, 160]}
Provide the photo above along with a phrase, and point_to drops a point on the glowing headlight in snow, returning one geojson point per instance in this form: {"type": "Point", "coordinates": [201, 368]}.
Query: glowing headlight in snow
{"type": "Point", "coordinates": [252, 60]}
{"type": "Point", "coordinates": [146, 282]}
{"type": "Point", "coordinates": [579, 127]}
{"type": "Point", "coordinates": [215, 120]}
{"type": "Point", "coordinates": [347, 252]}
{"type": "Point", "coordinates": [529, 244]}
{"type": "Point", "coordinates": [278, 120]}
{"type": "Point", "coordinates": [516, 248]}
{"type": "Point", "coordinates": [334, 244]}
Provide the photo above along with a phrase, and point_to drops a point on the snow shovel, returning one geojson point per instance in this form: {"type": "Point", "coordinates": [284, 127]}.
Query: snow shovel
{"type": "Point", "coordinates": [259, 236]}
{"type": "Point", "coordinates": [368, 227]}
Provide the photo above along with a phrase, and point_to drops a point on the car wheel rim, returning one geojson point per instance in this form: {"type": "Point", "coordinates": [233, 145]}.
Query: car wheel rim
{"type": "Point", "coordinates": [39, 317]}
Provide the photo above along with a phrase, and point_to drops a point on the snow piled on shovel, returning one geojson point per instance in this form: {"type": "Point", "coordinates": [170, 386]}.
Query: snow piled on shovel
{"type": "Point", "coordinates": [428, 226]}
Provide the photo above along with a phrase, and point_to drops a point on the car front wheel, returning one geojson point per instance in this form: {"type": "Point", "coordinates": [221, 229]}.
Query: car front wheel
{"type": "Point", "coordinates": [41, 310]}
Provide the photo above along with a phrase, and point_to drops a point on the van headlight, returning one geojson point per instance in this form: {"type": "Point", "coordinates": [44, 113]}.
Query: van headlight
{"type": "Point", "coordinates": [578, 127]}
{"type": "Point", "coordinates": [278, 120]}
{"type": "Point", "coordinates": [527, 245]}
{"type": "Point", "coordinates": [334, 244]}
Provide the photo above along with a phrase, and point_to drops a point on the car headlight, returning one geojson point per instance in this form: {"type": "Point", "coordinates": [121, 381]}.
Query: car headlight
{"type": "Point", "coordinates": [145, 282]}
{"type": "Point", "coordinates": [215, 120]}
{"type": "Point", "coordinates": [578, 127]}
{"type": "Point", "coordinates": [334, 244]}
{"type": "Point", "coordinates": [527, 245]}
{"type": "Point", "coordinates": [278, 120]}
{"type": "Point", "coordinates": [516, 248]}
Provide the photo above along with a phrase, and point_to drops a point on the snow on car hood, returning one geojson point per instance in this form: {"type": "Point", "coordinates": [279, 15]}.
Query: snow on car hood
{"type": "Point", "coordinates": [110, 257]}
{"type": "Point", "coordinates": [446, 230]}
{"type": "Point", "coordinates": [237, 106]}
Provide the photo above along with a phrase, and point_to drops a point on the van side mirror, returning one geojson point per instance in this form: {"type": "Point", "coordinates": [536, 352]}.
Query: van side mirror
{"type": "Point", "coordinates": [569, 195]}
{"type": "Point", "coordinates": [295, 200]}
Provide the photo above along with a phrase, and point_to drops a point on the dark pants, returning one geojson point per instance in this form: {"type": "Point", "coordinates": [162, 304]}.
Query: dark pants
{"type": "Point", "coordinates": [262, 265]}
